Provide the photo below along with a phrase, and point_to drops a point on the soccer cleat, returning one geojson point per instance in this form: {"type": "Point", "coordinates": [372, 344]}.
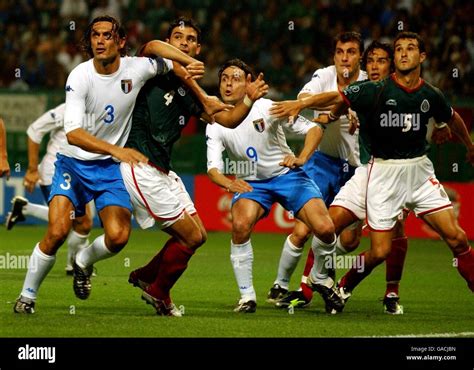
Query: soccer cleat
{"type": "Point", "coordinates": [69, 270]}
{"type": "Point", "coordinates": [24, 305]}
{"type": "Point", "coordinates": [246, 306]}
{"type": "Point", "coordinates": [162, 308]}
{"type": "Point", "coordinates": [294, 299]}
{"type": "Point", "coordinates": [391, 304]}
{"type": "Point", "coordinates": [135, 280]}
{"type": "Point", "coordinates": [82, 281]}
{"type": "Point", "coordinates": [276, 293]}
{"type": "Point", "coordinates": [16, 214]}
{"type": "Point", "coordinates": [333, 301]}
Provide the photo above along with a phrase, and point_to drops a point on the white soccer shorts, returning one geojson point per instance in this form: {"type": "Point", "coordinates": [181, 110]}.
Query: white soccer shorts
{"type": "Point", "coordinates": [156, 197]}
{"type": "Point", "coordinates": [398, 183]}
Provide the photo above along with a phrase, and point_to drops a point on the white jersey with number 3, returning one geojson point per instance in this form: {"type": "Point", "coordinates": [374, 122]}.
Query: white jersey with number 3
{"type": "Point", "coordinates": [256, 146]}
{"type": "Point", "coordinates": [336, 142]}
{"type": "Point", "coordinates": [103, 104]}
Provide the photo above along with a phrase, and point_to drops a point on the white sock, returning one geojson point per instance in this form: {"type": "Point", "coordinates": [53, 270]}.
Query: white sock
{"type": "Point", "coordinates": [75, 242]}
{"type": "Point", "coordinates": [323, 259]}
{"type": "Point", "coordinates": [97, 251]}
{"type": "Point", "coordinates": [340, 250]}
{"type": "Point", "coordinates": [38, 267]}
{"type": "Point", "coordinates": [36, 210]}
{"type": "Point", "coordinates": [241, 256]}
{"type": "Point", "coordinates": [290, 256]}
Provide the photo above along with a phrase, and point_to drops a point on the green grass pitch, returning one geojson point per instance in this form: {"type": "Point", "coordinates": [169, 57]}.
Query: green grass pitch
{"type": "Point", "coordinates": [436, 299]}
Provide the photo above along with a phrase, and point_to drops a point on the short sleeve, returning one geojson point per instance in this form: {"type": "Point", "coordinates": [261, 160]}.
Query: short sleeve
{"type": "Point", "coordinates": [315, 85]}
{"type": "Point", "coordinates": [76, 92]}
{"type": "Point", "coordinates": [442, 111]}
{"type": "Point", "coordinates": [360, 96]}
{"type": "Point", "coordinates": [47, 122]}
{"type": "Point", "coordinates": [300, 126]}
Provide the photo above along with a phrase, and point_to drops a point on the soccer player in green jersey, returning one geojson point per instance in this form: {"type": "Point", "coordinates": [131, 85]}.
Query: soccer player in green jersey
{"type": "Point", "coordinates": [394, 114]}
{"type": "Point", "coordinates": [163, 108]}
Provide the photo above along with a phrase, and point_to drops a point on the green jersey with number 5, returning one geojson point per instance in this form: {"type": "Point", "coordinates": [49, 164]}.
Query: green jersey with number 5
{"type": "Point", "coordinates": [394, 119]}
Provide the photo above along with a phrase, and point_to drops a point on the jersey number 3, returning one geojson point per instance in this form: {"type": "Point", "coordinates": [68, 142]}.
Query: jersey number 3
{"type": "Point", "coordinates": [109, 118]}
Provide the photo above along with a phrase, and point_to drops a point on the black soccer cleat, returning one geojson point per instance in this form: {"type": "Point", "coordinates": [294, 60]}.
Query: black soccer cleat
{"type": "Point", "coordinates": [276, 293]}
{"type": "Point", "coordinates": [24, 305]}
{"type": "Point", "coordinates": [246, 307]}
{"type": "Point", "coordinates": [16, 214]}
{"type": "Point", "coordinates": [294, 299]}
{"type": "Point", "coordinates": [332, 299]}
{"type": "Point", "coordinates": [134, 279]}
{"type": "Point", "coordinates": [391, 304]}
{"type": "Point", "coordinates": [82, 281]}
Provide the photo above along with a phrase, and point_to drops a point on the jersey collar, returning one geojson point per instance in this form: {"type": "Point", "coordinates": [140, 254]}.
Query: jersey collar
{"type": "Point", "coordinates": [404, 88]}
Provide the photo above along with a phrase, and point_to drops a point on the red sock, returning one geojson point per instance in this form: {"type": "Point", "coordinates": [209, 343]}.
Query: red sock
{"type": "Point", "coordinates": [148, 272]}
{"type": "Point", "coordinates": [173, 263]}
{"type": "Point", "coordinates": [394, 264]}
{"type": "Point", "coordinates": [353, 277]}
{"type": "Point", "coordinates": [307, 291]}
{"type": "Point", "coordinates": [466, 267]}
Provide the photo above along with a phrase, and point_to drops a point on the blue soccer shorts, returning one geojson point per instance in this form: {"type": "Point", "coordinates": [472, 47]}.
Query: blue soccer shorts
{"type": "Point", "coordinates": [82, 181]}
{"type": "Point", "coordinates": [292, 190]}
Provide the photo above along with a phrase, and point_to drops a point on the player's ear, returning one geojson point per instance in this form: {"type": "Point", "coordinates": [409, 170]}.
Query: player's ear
{"type": "Point", "coordinates": [422, 57]}
{"type": "Point", "coordinates": [198, 49]}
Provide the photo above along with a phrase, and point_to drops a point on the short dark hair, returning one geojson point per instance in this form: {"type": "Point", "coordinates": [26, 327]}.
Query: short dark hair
{"type": "Point", "coordinates": [411, 35]}
{"type": "Point", "coordinates": [378, 45]}
{"type": "Point", "coordinates": [347, 37]}
{"type": "Point", "coordinates": [239, 64]}
{"type": "Point", "coordinates": [184, 22]}
{"type": "Point", "coordinates": [117, 29]}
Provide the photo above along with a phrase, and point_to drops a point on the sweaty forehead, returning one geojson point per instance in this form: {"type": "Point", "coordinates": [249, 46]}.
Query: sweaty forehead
{"type": "Point", "coordinates": [233, 71]}
{"type": "Point", "coordinates": [102, 27]}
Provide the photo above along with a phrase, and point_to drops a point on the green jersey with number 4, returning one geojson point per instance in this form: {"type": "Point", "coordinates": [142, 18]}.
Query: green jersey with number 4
{"type": "Point", "coordinates": [394, 119]}
{"type": "Point", "coordinates": [162, 109]}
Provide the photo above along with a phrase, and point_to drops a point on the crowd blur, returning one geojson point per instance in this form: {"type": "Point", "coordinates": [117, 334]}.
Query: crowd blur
{"type": "Point", "coordinates": [287, 39]}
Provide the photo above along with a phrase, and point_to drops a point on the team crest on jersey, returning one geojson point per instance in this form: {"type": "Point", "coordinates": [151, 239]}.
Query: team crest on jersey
{"type": "Point", "coordinates": [391, 102]}
{"type": "Point", "coordinates": [259, 125]}
{"type": "Point", "coordinates": [126, 86]}
{"type": "Point", "coordinates": [425, 106]}
{"type": "Point", "coordinates": [181, 91]}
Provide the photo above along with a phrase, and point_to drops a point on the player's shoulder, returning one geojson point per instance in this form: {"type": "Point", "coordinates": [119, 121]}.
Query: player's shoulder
{"type": "Point", "coordinates": [263, 105]}
{"type": "Point", "coordinates": [325, 74]}
{"type": "Point", "coordinates": [429, 88]}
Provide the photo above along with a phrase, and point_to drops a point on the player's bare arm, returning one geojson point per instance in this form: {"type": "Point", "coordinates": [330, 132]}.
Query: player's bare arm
{"type": "Point", "coordinates": [4, 166]}
{"type": "Point", "coordinates": [291, 108]}
{"type": "Point", "coordinates": [458, 126]}
{"type": "Point", "coordinates": [32, 174]}
{"type": "Point", "coordinates": [168, 51]}
{"type": "Point", "coordinates": [231, 185]}
{"type": "Point", "coordinates": [81, 138]}
{"type": "Point", "coordinates": [311, 142]}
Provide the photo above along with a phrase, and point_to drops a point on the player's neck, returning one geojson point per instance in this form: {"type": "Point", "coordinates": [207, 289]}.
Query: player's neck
{"type": "Point", "coordinates": [107, 67]}
{"type": "Point", "coordinates": [343, 82]}
{"type": "Point", "coordinates": [409, 80]}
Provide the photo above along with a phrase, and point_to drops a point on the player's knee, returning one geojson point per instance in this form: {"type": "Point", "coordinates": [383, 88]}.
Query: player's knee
{"type": "Point", "coordinates": [117, 238]}
{"type": "Point", "coordinates": [457, 240]}
{"type": "Point", "coordinates": [82, 225]}
{"type": "Point", "coordinates": [379, 255]}
{"type": "Point", "coordinates": [299, 238]}
{"type": "Point", "coordinates": [325, 232]}
{"type": "Point", "coordinates": [56, 236]}
{"type": "Point", "coordinates": [195, 239]}
{"type": "Point", "coordinates": [241, 228]}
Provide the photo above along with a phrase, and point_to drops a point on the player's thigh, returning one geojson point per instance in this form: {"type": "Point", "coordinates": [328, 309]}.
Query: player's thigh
{"type": "Point", "coordinates": [60, 216]}
{"type": "Point", "coordinates": [445, 224]}
{"type": "Point", "coordinates": [316, 216]}
{"type": "Point", "coordinates": [116, 221]}
{"type": "Point", "coordinates": [83, 224]}
{"type": "Point", "coordinates": [381, 243]}
{"type": "Point", "coordinates": [187, 231]}
{"type": "Point", "coordinates": [342, 217]}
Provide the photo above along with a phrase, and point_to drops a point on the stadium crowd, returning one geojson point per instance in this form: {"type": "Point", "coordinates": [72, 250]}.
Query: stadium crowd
{"type": "Point", "coordinates": [287, 39]}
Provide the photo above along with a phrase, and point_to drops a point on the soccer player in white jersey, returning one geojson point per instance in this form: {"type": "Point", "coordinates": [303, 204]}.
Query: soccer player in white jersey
{"type": "Point", "coordinates": [52, 123]}
{"type": "Point", "coordinates": [4, 166]}
{"type": "Point", "coordinates": [273, 173]}
{"type": "Point", "coordinates": [330, 167]}
{"type": "Point", "coordinates": [100, 96]}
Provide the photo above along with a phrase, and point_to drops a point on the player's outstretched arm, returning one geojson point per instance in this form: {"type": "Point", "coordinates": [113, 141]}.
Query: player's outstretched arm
{"type": "Point", "coordinates": [291, 108]}
{"type": "Point", "coordinates": [81, 138]}
{"type": "Point", "coordinates": [32, 174]}
{"type": "Point", "coordinates": [311, 142]}
{"type": "Point", "coordinates": [458, 126]}
{"type": "Point", "coordinates": [232, 186]}
{"type": "Point", "coordinates": [4, 166]}
{"type": "Point", "coordinates": [168, 51]}
{"type": "Point", "coordinates": [254, 91]}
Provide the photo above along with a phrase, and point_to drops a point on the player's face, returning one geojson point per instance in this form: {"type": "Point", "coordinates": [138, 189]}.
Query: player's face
{"type": "Point", "coordinates": [185, 39]}
{"type": "Point", "coordinates": [104, 42]}
{"type": "Point", "coordinates": [347, 59]}
{"type": "Point", "coordinates": [378, 65]}
{"type": "Point", "coordinates": [232, 85]}
{"type": "Point", "coordinates": [407, 55]}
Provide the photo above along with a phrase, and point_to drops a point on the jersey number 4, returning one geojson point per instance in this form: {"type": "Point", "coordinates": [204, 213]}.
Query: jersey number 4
{"type": "Point", "coordinates": [169, 97]}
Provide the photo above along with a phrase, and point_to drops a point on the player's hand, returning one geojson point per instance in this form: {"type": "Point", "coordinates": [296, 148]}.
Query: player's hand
{"type": "Point", "coordinates": [213, 105]}
{"type": "Point", "coordinates": [353, 121]}
{"type": "Point", "coordinates": [256, 89]}
{"type": "Point", "coordinates": [287, 108]}
{"type": "Point", "coordinates": [441, 135]}
{"type": "Point", "coordinates": [195, 70]}
{"type": "Point", "coordinates": [4, 168]}
{"type": "Point", "coordinates": [30, 180]}
{"type": "Point", "coordinates": [239, 186]}
{"type": "Point", "coordinates": [130, 156]}
{"type": "Point", "coordinates": [291, 161]}
{"type": "Point", "coordinates": [323, 119]}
